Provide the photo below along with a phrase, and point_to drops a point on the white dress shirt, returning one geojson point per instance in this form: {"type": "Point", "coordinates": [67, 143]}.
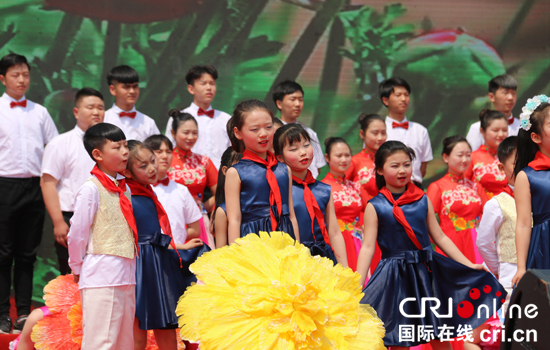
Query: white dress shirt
{"type": "Point", "coordinates": [318, 154]}
{"type": "Point", "coordinates": [475, 139]}
{"type": "Point", "coordinates": [213, 139]}
{"type": "Point", "coordinates": [95, 270]}
{"type": "Point", "coordinates": [66, 160]}
{"type": "Point", "coordinates": [487, 243]}
{"type": "Point", "coordinates": [180, 207]}
{"type": "Point", "coordinates": [23, 134]}
{"type": "Point", "coordinates": [138, 128]}
{"type": "Point", "coordinates": [415, 137]}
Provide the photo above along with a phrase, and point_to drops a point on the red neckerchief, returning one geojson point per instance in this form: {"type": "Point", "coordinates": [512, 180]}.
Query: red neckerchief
{"type": "Point", "coordinates": [125, 203]}
{"type": "Point", "coordinates": [140, 190]}
{"type": "Point", "coordinates": [312, 206]}
{"type": "Point", "coordinates": [541, 162]}
{"type": "Point", "coordinates": [508, 190]}
{"type": "Point", "coordinates": [412, 194]}
{"type": "Point", "coordinates": [274, 192]}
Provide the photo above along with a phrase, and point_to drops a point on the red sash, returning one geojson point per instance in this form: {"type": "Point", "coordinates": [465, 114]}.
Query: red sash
{"type": "Point", "coordinates": [312, 206]}
{"type": "Point", "coordinates": [125, 204]}
{"type": "Point", "coordinates": [139, 190]}
{"type": "Point", "coordinates": [274, 192]}
{"type": "Point", "coordinates": [412, 194]}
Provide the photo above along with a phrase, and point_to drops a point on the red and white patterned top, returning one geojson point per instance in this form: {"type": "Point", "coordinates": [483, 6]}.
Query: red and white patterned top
{"type": "Point", "coordinates": [362, 172]}
{"type": "Point", "coordinates": [484, 170]}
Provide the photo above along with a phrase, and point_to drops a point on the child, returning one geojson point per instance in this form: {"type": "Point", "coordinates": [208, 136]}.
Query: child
{"type": "Point", "coordinates": [193, 170]}
{"type": "Point", "coordinates": [373, 134]}
{"type": "Point", "coordinates": [102, 243]}
{"type": "Point", "coordinates": [289, 99]}
{"type": "Point", "coordinates": [24, 130]}
{"type": "Point", "coordinates": [395, 95]}
{"type": "Point", "coordinates": [312, 199]}
{"type": "Point", "coordinates": [180, 206]}
{"type": "Point", "coordinates": [457, 200]}
{"type": "Point", "coordinates": [213, 140]}
{"type": "Point", "coordinates": [159, 283]}
{"type": "Point", "coordinates": [484, 166]}
{"type": "Point", "coordinates": [503, 95]}
{"type": "Point", "coordinates": [66, 166]}
{"type": "Point", "coordinates": [219, 217]}
{"type": "Point", "coordinates": [124, 86]}
{"type": "Point", "coordinates": [496, 233]}
{"type": "Point", "coordinates": [349, 197]}
{"type": "Point", "coordinates": [401, 218]}
{"type": "Point", "coordinates": [531, 187]}
{"type": "Point", "coordinates": [258, 189]}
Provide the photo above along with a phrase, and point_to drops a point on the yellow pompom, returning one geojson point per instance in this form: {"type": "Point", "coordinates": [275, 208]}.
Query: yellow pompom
{"type": "Point", "coordinates": [267, 292]}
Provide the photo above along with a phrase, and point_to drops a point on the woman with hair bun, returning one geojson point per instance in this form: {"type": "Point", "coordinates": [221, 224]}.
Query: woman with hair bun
{"type": "Point", "coordinates": [484, 166]}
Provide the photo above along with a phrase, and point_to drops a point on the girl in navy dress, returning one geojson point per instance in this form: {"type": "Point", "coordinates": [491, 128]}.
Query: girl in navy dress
{"type": "Point", "coordinates": [159, 281]}
{"type": "Point", "coordinates": [402, 220]}
{"type": "Point", "coordinates": [312, 199]}
{"type": "Point", "coordinates": [219, 217]}
{"type": "Point", "coordinates": [258, 189]}
{"type": "Point", "coordinates": [531, 191]}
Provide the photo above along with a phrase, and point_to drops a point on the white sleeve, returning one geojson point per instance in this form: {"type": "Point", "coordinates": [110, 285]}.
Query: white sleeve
{"type": "Point", "coordinates": [168, 132]}
{"type": "Point", "coordinates": [53, 160]}
{"type": "Point", "coordinates": [318, 155]}
{"type": "Point", "coordinates": [191, 212]}
{"type": "Point", "coordinates": [154, 128]}
{"type": "Point", "coordinates": [427, 154]}
{"type": "Point", "coordinates": [86, 205]}
{"type": "Point", "coordinates": [474, 137]}
{"type": "Point", "coordinates": [49, 130]}
{"type": "Point", "coordinates": [487, 234]}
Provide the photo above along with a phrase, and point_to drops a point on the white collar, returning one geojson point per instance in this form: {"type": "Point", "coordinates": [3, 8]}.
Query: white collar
{"type": "Point", "coordinates": [397, 121]}
{"type": "Point", "coordinates": [78, 131]}
{"type": "Point", "coordinates": [196, 108]}
{"type": "Point", "coordinates": [11, 99]}
{"type": "Point", "coordinates": [117, 109]}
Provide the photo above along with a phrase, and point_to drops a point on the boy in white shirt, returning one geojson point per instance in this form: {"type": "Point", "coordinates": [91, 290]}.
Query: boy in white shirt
{"type": "Point", "coordinates": [503, 95]}
{"type": "Point", "coordinates": [102, 244]}
{"type": "Point", "coordinates": [288, 96]}
{"type": "Point", "coordinates": [395, 95]}
{"type": "Point", "coordinates": [496, 233]}
{"type": "Point", "coordinates": [124, 86]}
{"type": "Point", "coordinates": [66, 166]}
{"type": "Point", "coordinates": [213, 139]}
{"type": "Point", "coordinates": [25, 128]}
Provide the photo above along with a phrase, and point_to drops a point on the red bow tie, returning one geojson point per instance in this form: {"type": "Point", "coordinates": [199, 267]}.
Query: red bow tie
{"type": "Point", "coordinates": [20, 104]}
{"type": "Point", "coordinates": [128, 114]}
{"type": "Point", "coordinates": [209, 113]}
{"type": "Point", "coordinates": [164, 181]}
{"type": "Point", "coordinates": [511, 120]}
{"type": "Point", "coordinates": [404, 125]}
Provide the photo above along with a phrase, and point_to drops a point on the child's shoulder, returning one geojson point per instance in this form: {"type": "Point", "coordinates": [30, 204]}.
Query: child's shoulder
{"type": "Point", "coordinates": [223, 115]}
{"type": "Point", "coordinates": [417, 127]}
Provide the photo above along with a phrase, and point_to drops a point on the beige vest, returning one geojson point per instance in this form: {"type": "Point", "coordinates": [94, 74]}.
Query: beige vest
{"type": "Point", "coordinates": [507, 231]}
{"type": "Point", "coordinates": [111, 234]}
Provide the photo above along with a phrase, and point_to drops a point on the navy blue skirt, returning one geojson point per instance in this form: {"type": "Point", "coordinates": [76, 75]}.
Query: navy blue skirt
{"type": "Point", "coordinates": [322, 249]}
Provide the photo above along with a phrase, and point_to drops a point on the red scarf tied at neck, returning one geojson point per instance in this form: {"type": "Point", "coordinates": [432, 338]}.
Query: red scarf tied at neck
{"type": "Point", "coordinates": [312, 206]}
{"type": "Point", "coordinates": [147, 191]}
{"type": "Point", "coordinates": [412, 194]}
{"type": "Point", "coordinates": [125, 204]}
{"type": "Point", "coordinates": [274, 192]}
{"type": "Point", "coordinates": [541, 162]}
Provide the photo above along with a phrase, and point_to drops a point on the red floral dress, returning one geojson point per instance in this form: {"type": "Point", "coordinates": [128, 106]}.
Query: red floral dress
{"type": "Point", "coordinates": [484, 170]}
{"type": "Point", "coordinates": [349, 204]}
{"type": "Point", "coordinates": [361, 171]}
{"type": "Point", "coordinates": [459, 204]}
{"type": "Point", "coordinates": [194, 171]}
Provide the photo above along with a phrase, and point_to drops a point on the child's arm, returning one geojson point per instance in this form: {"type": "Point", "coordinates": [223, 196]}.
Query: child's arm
{"type": "Point", "coordinates": [487, 234]}
{"type": "Point", "coordinates": [336, 239]}
{"type": "Point", "coordinates": [233, 204]}
{"type": "Point", "coordinates": [522, 194]}
{"type": "Point", "coordinates": [210, 204]}
{"type": "Point", "coordinates": [370, 232]}
{"type": "Point", "coordinates": [193, 230]}
{"type": "Point", "coordinates": [86, 205]}
{"type": "Point", "coordinates": [444, 243]}
{"type": "Point", "coordinates": [291, 207]}
{"type": "Point", "coordinates": [220, 227]}
{"type": "Point", "coordinates": [193, 243]}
